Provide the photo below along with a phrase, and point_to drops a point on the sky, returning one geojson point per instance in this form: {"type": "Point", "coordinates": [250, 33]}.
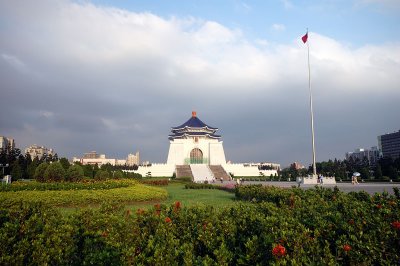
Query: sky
{"type": "Point", "coordinates": [115, 76]}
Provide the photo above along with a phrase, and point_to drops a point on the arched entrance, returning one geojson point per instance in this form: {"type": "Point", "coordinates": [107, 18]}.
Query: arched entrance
{"type": "Point", "coordinates": [196, 156]}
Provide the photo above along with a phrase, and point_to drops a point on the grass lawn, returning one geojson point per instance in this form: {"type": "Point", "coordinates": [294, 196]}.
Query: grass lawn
{"type": "Point", "coordinates": [191, 197]}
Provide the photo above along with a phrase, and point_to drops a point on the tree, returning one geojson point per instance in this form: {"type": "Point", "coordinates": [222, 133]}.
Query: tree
{"type": "Point", "coordinates": [118, 174]}
{"type": "Point", "coordinates": [393, 173]}
{"type": "Point", "coordinates": [378, 171]}
{"type": "Point", "coordinates": [107, 167]}
{"type": "Point", "coordinates": [101, 175]}
{"type": "Point", "coordinates": [16, 171]}
{"type": "Point", "coordinates": [74, 173]}
{"type": "Point", "coordinates": [365, 174]}
{"type": "Point", "coordinates": [88, 170]}
{"type": "Point", "coordinates": [65, 163]}
{"type": "Point", "coordinates": [55, 172]}
{"type": "Point", "coordinates": [40, 170]}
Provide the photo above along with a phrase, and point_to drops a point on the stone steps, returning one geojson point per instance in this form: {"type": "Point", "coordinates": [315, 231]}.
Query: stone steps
{"type": "Point", "coordinates": [183, 171]}
{"type": "Point", "coordinates": [219, 172]}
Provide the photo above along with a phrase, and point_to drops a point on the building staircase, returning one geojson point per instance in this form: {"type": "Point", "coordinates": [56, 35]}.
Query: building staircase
{"type": "Point", "coordinates": [219, 172]}
{"type": "Point", "coordinates": [201, 173]}
{"type": "Point", "coordinates": [183, 171]}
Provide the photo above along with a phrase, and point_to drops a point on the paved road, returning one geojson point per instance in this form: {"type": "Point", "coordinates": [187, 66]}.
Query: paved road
{"type": "Point", "coordinates": [371, 188]}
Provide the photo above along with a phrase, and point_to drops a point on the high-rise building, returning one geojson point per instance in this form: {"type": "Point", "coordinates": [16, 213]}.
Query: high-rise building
{"type": "Point", "coordinates": [38, 151]}
{"type": "Point", "coordinates": [133, 159]}
{"type": "Point", "coordinates": [372, 155]}
{"type": "Point", "coordinates": [389, 144]}
{"type": "Point", "coordinates": [6, 143]}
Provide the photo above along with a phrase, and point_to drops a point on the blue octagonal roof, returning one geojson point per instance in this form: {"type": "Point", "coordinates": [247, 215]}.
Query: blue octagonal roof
{"type": "Point", "coordinates": [194, 122]}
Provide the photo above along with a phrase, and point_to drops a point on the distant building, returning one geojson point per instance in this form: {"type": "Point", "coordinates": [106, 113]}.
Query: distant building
{"type": "Point", "coordinates": [133, 159]}
{"type": "Point", "coordinates": [92, 155]}
{"type": "Point", "coordinates": [265, 165]}
{"type": "Point", "coordinates": [297, 166]}
{"type": "Point", "coordinates": [372, 155]}
{"type": "Point", "coordinates": [93, 158]}
{"type": "Point", "coordinates": [6, 142]}
{"type": "Point", "coordinates": [38, 151]}
{"type": "Point", "coordinates": [389, 144]}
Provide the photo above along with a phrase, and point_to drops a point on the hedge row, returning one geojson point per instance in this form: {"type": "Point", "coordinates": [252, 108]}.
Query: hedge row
{"type": "Point", "coordinates": [132, 193]}
{"type": "Point", "coordinates": [83, 184]}
{"type": "Point", "coordinates": [160, 182]}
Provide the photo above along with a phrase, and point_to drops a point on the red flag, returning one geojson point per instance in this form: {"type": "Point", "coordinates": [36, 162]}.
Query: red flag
{"type": "Point", "coordinates": [304, 38]}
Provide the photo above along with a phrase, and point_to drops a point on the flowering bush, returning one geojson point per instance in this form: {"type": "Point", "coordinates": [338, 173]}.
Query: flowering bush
{"type": "Point", "coordinates": [271, 227]}
{"type": "Point", "coordinates": [396, 225]}
{"type": "Point", "coordinates": [346, 248]}
{"type": "Point", "coordinates": [163, 182]}
{"type": "Point", "coordinates": [279, 251]}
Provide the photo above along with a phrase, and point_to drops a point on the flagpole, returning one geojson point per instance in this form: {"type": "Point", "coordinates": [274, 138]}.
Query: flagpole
{"type": "Point", "coordinates": [311, 110]}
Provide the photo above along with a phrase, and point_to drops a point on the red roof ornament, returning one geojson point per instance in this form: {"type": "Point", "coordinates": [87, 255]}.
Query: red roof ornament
{"type": "Point", "coordinates": [193, 113]}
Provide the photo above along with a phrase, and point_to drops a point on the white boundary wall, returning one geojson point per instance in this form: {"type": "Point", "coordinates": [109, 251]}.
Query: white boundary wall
{"type": "Point", "coordinates": [156, 170]}
{"type": "Point", "coordinates": [236, 169]}
{"type": "Point", "coordinates": [248, 170]}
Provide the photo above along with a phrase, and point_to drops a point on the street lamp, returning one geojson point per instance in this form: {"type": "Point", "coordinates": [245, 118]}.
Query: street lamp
{"type": "Point", "coordinates": [3, 166]}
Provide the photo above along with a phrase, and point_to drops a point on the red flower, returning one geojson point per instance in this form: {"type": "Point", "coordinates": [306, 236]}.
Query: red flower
{"type": "Point", "coordinates": [168, 220]}
{"type": "Point", "coordinates": [279, 251]}
{"type": "Point", "coordinates": [379, 206]}
{"type": "Point", "coordinates": [346, 247]}
{"type": "Point", "coordinates": [177, 205]}
{"type": "Point", "coordinates": [396, 225]}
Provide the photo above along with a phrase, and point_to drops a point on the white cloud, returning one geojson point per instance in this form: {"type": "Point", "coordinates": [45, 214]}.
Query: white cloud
{"type": "Point", "coordinates": [278, 27]}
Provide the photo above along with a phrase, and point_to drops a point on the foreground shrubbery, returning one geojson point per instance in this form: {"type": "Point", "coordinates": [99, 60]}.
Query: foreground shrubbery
{"type": "Point", "coordinates": [285, 226]}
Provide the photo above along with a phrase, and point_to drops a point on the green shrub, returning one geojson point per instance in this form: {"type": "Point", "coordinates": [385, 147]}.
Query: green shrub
{"type": "Point", "coordinates": [118, 174]}
{"type": "Point", "coordinates": [74, 173]}
{"type": "Point", "coordinates": [54, 172]}
{"type": "Point", "coordinates": [102, 175]}
{"type": "Point", "coordinates": [40, 171]}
